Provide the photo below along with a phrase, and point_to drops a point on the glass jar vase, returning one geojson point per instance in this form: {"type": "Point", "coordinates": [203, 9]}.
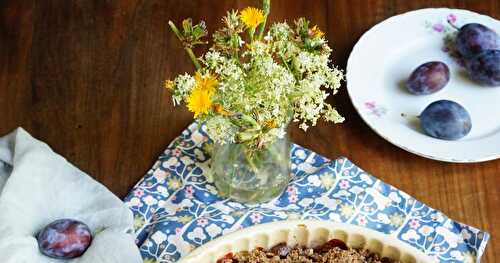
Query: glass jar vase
{"type": "Point", "coordinates": [251, 176]}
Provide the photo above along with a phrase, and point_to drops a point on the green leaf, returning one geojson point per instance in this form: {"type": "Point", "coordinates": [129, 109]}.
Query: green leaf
{"type": "Point", "coordinates": [246, 136]}
{"type": "Point", "coordinates": [199, 31]}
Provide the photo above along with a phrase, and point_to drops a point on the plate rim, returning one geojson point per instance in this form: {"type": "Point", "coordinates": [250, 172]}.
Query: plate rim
{"type": "Point", "coordinates": [363, 116]}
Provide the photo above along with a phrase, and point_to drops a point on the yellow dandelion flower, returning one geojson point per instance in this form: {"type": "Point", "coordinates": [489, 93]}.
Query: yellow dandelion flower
{"type": "Point", "coordinates": [316, 32]}
{"type": "Point", "coordinates": [199, 101]}
{"type": "Point", "coordinates": [169, 84]}
{"type": "Point", "coordinates": [252, 17]}
{"type": "Point", "coordinates": [207, 82]}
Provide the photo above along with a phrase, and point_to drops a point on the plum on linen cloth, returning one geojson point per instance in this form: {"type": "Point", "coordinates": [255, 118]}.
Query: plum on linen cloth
{"type": "Point", "coordinates": [37, 186]}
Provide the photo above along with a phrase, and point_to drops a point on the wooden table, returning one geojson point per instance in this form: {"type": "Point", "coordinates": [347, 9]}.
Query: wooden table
{"type": "Point", "coordinates": [86, 77]}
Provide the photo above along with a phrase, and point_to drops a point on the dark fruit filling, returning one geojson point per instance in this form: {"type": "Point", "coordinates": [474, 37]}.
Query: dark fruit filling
{"type": "Point", "coordinates": [333, 251]}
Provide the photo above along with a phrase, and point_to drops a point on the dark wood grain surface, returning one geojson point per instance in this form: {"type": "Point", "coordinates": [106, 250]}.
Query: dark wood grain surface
{"type": "Point", "coordinates": [86, 77]}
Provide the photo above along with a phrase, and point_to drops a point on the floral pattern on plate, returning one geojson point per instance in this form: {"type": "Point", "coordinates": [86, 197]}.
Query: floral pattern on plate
{"type": "Point", "coordinates": [375, 109]}
{"type": "Point", "coordinates": [448, 27]}
{"type": "Point", "coordinates": [176, 208]}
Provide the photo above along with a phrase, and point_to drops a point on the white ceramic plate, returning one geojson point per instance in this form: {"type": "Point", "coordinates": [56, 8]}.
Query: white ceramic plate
{"type": "Point", "coordinates": [309, 233]}
{"type": "Point", "coordinates": [383, 59]}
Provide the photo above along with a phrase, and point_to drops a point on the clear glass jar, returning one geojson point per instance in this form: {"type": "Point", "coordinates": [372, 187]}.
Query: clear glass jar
{"type": "Point", "coordinates": [251, 176]}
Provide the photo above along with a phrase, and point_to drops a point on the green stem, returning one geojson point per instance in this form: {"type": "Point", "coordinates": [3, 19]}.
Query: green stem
{"type": "Point", "coordinates": [266, 7]}
{"type": "Point", "coordinates": [188, 49]}
{"type": "Point", "coordinates": [287, 66]}
{"type": "Point", "coordinates": [284, 62]}
{"type": "Point", "coordinates": [453, 26]}
{"type": "Point", "coordinates": [193, 58]}
{"type": "Point", "coordinates": [175, 30]}
{"type": "Point", "coordinates": [251, 32]}
{"type": "Point", "coordinates": [273, 152]}
{"type": "Point", "coordinates": [250, 161]}
{"type": "Point", "coordinates": [249, 120]}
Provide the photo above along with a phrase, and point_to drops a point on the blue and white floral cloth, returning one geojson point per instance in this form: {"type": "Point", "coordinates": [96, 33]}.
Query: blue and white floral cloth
{"type": "Point", "coordinates": [176, 209]}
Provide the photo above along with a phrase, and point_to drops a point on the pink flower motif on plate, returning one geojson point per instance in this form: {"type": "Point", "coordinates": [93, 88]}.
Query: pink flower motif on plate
{"type": "Point", "coordinates": [447, 28]}
{"type": "Point", "coordinates": [256, 218]}
{"type": "Point", "coordinates": [375, 109]}
{"type": "Point", "coordinates": [452, 18]}
{"type": "Point", "coordinates": [438, 27]}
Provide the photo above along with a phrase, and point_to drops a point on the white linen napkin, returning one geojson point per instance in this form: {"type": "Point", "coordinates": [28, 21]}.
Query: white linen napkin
{"type": "Point", "coordinates": [37, 186]}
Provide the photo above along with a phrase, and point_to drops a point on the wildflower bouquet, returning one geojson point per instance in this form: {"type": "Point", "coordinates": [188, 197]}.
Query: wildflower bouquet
{"type": "Point", "coordinates": [251, 82]}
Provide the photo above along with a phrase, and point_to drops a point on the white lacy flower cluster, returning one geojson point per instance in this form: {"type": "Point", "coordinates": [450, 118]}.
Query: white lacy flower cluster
{"type": "Point", "coordinates": [221, 130]}
{"type": "Point", "coordinates": [183, 86]}
{"type": "Point", "coordinates": [258, 88]}
{"type": "Point", "coordinates": [312, 72]}
{"type": "Point", "coordinates": [265, 84]}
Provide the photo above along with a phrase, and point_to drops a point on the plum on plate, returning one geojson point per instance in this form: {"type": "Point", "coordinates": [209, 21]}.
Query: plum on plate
{"type": "Point", "coordinates": [445, 119]}
{"type": "Point", "coordinates": [475, 38]}
{"type": "Point", "coordinates": [428, 78]}
{"type": "Point", "coordinates": [484, 68]}
{"type": "Point", "coordinates": [64, 239]}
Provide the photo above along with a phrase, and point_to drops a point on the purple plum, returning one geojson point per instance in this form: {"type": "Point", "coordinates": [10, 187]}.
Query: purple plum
{"type": "Point", "coordinates": [445, 119]}
{"type": "Point", "coordinates": [475, 38]}
{"type": "Point", "coordinates": [428, 78]}
{"type": "Point", "coordinates": [484, 68]}
{"type": "Point", "coordinates": [64, 239]}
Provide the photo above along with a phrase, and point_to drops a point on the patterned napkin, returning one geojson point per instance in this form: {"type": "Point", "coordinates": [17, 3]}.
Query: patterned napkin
{"type": "Point", "coordinates": [177, 209]}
